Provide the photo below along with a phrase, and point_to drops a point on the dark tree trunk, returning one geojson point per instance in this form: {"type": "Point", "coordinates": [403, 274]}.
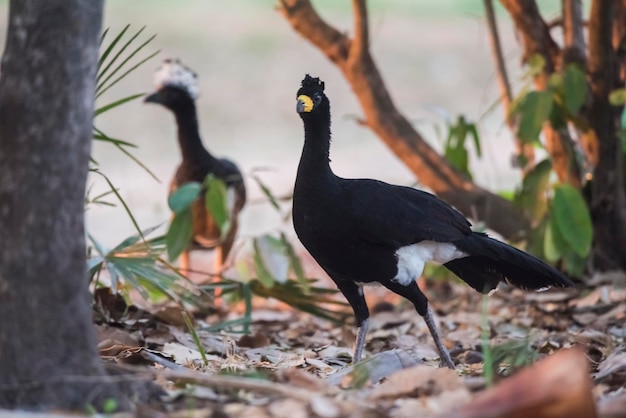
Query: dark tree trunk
{"type": "Point", "coordinates": [608, 205]}
{"type": "Point", "coordinates": [48, 356]}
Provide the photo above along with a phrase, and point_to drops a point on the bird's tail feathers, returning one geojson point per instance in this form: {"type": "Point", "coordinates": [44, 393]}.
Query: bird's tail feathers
{"type": "Point", "coordinates": [491, 261]}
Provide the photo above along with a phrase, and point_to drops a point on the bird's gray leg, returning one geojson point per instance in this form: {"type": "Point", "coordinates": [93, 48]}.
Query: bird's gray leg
{"type": "Point", "coordinates": [354, 294]}
{"type": "Point", "coordinates": [360, 341]}
{"type": "Point", "coordinates": [413, 293]}
{"type": "Point", "coordinates": [444, 355]}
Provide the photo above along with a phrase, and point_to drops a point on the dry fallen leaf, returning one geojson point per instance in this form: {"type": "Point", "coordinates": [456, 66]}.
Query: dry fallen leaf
{"type": "Point", "coordinates": [615, 363]}
{"type": "Point", "coordinates": [418, 381]}
{"type": "Point", "coordinates": [556, 387]}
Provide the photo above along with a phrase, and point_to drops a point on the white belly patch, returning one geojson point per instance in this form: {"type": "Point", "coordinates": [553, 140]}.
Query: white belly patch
{"type": "Point", "coordinates": [412, 258]}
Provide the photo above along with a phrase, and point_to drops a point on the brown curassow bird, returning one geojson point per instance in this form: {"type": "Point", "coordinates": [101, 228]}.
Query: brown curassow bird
{"type": "Point", "coordinates": [177, 90]}
{"type": "Point", "coordinates": [364, 231]}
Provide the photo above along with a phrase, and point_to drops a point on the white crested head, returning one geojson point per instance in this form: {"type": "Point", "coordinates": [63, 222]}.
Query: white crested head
{"type": "Point", "coordinates": [174, 74]}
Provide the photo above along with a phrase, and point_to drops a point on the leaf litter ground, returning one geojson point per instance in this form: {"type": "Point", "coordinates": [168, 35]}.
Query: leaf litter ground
{"type": "Point", "coordinates": [292, 364]}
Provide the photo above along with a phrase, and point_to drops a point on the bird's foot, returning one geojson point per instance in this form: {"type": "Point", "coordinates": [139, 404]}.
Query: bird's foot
{"type": "Point", "coordinates": [446, 361]}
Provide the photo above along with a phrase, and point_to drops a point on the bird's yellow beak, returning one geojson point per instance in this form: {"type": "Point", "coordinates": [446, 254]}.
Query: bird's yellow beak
{"type": "Point", "coordinates": [305, 104]}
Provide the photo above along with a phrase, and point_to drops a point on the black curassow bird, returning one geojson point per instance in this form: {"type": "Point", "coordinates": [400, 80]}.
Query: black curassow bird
{"type": "Point", "coordinates": [363, 231]}
{"type": "Point", "coordinates": [177, 90]}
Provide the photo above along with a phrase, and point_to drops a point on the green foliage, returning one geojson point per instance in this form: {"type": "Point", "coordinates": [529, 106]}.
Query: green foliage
{"type": "Point", "coordinates": [137, 264]}
{"type": "Point", "coordinates": [313, 302]}
{"type": "Point", "coordinates": [265, 262]}
{"type": "Point", "coordinates": [182, 198]}
{"type": "Point", "coordinates": [575, 88]}
{"type": "Point", "coordinates": [117, 60]}
{"type": "Point", "coordinates": [180, 231]}
{"type": "Point", "coordinates": [514, 354]}
{"type": "Point", "coordinates": [572, 218]}
{"type": "Point", "coordinates": [532, 196]}
{"type": "Point", "coordinates": [112, 62]}
{"type": "Point", "coordinates": [195, 337]}
{"type": "Point", "coordinates": [455, 149]}
{"type": "Point", "coordinates": [533, 110]}
{"type": "Point", "coordinates": [274, 259]}
{"type": "Point", "coordinates": [618, 97]}
{"type": "Point", "coordinates": [563, 230]}
{"type": "Point", "coordinates": [558, 104]}
{"type": "Point", "coordinates": [217, 202]}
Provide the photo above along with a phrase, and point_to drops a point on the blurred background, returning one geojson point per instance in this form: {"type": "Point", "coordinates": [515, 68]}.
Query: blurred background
{"type": "Point", "coordinates": [434, 56]}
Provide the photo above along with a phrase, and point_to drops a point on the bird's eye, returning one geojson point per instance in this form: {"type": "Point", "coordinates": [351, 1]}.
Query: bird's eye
{"type": "Point", "coordinates": [317, 98]}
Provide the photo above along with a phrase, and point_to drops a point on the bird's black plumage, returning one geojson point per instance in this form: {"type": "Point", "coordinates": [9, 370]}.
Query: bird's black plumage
{"type": "Point", "coordinates": [363, 230]}
{"type": "Point", "coordinates": [177, 91]}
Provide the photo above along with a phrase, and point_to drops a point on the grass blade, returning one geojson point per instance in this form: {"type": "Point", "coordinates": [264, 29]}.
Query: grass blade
{"type": "Point", "coordinates": [116, 103]}
{"type": "Point", "coordinates": [107, 51]}
{"type": "Point", "coordinates": [119, 197]}
{"type": "Point", "coordinates": [117, 55]}
{"type": "Point", "coordinates": [195, 337]}
{"type": "Point", "coordinates": [101, 89]}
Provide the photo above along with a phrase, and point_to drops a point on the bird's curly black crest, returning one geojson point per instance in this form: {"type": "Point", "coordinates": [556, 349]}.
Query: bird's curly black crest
{"type": "Point", "coordinates": [312, 84]}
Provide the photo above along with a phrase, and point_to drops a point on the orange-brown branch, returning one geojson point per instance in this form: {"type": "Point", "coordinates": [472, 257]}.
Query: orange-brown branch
{"type": "Point", "coordinates": [525, 152]}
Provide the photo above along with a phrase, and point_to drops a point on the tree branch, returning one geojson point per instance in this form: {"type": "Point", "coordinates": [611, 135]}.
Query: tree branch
{"type": "Point", "coordinates": [360, 44]}
{"type": "Point", "coordinates": [392, 127]}
{"type": "Point", "coordinates": [525, 152]}
{"type": "Point", "coordinates": [305, 20]}
{"type": "Point", "coordinates": [573, 35]}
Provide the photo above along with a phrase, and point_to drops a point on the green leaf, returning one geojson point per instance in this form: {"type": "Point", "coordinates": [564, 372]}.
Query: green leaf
{"type": "Point", "coordinates": [101, 136]}
{"type": "Point", "coordinates": [532, 196]}
{"type": "Point", "coordinates": [455, 150]}
{"type": "Point", "coordinates": [536, 63]}
{"type": "Point", "coordinates": [116, 103]}
{"type": "Point", "coordinates": [575, 264]}
{"type": "Point", "coordinates": [103, 71]}
{"type": "Point", "coordinates": [534, 110]}
{"type": "Point", "coordinates": [108, 50]}
{"type": "Point", "coordinates": [618, 97]}
{"type": "Point", "coordinates": [273, 254]}
{"type": "Point", "coordinates": [554, 245]}
{"type": "Point", "coordinates": [217, 202]}
{"type": "Point", "coordinates": [459, 159]}
{"type": "Point", "coordinates": [179, 234]}
{"type": "Point", "coordinates": [474, 133]}
{"type": "Point", "coordinates": [572, 217]}
{"type": "Point", "coordinates": [296, 264]}
{"type": "Point", "coordinates": [575, 84]}
{"type": "Point", "coordinates": [268, 193]}
{"type": "Point", "coordinates": [262, 273]}
{"type": "Point", "coordinates": [122, 201]}
{"type": "Point", "coordinates": [182, 198]}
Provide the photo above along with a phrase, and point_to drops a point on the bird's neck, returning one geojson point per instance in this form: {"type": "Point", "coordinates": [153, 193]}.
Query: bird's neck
{"type": "Point", "coordinates": [315, 161]}
{"type": "Point", "coordinates": [189, 140]}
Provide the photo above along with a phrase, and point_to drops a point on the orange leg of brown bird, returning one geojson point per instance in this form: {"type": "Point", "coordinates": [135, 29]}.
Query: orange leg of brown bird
{"type": "Point", "coordinates": [221, 255]}
{"type": "Point", "coordinates": [183, 263]}
{"type": "Point", "coordinates": [218, 264]}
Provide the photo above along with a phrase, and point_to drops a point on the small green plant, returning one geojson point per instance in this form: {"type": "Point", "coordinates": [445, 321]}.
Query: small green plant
{"type": "Point", "coordinates": [137, 263]}
{"type": "Point", "coordinates": [117, 60]}
{"type": "Point", "coordinates": [562, 228]}
{"type": "Point", "coordinates": [455, 149]}
{"type": "Point", "coordinates": [180, 231]}
{"type": "Point", "coordinates": [195, 337]}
